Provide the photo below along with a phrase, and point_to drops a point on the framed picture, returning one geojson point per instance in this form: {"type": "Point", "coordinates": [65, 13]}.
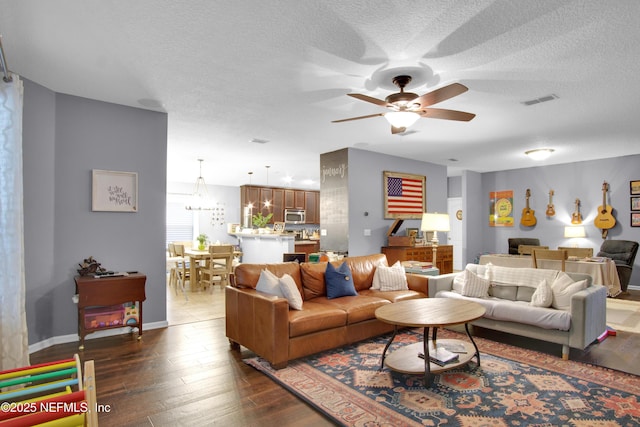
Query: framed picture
{"type": "Point", "coordinates": [412, 232]}
{"type": "Point", "coordinates": [635, 219]}
{"type": "Point", "coordinates": [501, 208]}
{"type": "Point", "coordinates": [278, 227]}
{"type": "Point", "coordinates": [635, 203]}
{"type": "Point", "coordinates": [405, 195]}
{"type": "Point", "coordinates": [114, 191]}
{"type": "Point", "coordinates": [634, 187]}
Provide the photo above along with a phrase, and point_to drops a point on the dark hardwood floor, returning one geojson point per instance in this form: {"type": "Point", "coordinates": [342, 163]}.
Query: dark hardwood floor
{"type": "Point", "coordinates": [187, 375]}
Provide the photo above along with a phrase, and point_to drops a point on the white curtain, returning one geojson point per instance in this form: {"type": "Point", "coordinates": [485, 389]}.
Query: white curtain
{"type": "Point", "coordinates": [14, 348]}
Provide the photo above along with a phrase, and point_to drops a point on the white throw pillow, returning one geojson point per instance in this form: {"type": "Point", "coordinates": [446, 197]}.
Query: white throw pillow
{"type": "Point", "coordinates": [269, 283]}
{"type": "Point", "coordinates": [390, 278]}
{"type": "Point", "coordinates": [474, 285]}
{"type": "Point", "coordinates": [563, 289]}
{"type": "Point", "coordinates": [291, 292]}
{"type": "Point", "coordinates": [543, 296]}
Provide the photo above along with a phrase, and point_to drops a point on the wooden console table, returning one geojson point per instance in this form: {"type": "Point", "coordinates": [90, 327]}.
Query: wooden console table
{"type": "Point", "coordinates": [107, 291]}
{"type": "Point", "coordinates": [444, 256]}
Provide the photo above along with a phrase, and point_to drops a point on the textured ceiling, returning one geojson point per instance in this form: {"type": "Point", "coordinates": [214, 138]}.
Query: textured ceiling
{"type": "Point", "coordinates": [229, 72]}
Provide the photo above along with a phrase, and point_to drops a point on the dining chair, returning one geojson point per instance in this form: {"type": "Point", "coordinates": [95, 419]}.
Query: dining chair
{"type": "Point", "coordinates": [551, 254]}
{"type": "Point", "coordinates": [528, 249]}
{"type": "Point", "coordinates": [515, 242]}
{"type": "Point", "coordinates": [578, 252]}
{"type": "Point", "coordinates": [219, 266]}
{"type": "Point", "coordinates": [183, 269]}
{"type": "Point", "coordinates": [173, 271]}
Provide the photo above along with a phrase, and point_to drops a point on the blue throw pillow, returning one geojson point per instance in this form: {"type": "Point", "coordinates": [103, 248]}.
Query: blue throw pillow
{"type": "Point", "coordinates": [339, 281]}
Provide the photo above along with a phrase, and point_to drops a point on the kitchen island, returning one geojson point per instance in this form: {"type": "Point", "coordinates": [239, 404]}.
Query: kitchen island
{"type": "Point", "coordinates": [264, 248]}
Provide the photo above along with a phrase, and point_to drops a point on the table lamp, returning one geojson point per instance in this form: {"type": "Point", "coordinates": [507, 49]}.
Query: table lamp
{"type": "Point", "coordinates": [574, 232]}
{"type": "Point", "coordinates": [435, 222]}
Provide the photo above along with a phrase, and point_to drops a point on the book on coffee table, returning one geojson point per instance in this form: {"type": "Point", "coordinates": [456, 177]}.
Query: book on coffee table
{"type": "Point", "coordinates": [440, 355]}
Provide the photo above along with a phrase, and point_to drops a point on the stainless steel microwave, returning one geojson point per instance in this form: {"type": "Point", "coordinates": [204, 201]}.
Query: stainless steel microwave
{"type": "Point", "coordinates": [295, 216]}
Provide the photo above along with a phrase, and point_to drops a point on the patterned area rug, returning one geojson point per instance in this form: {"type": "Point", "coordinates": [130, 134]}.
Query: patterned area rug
{"type": "Point", "coordinates": [517, 388]}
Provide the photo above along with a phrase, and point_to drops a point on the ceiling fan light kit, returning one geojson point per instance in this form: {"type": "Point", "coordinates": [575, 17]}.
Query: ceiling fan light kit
{"type": "Point", "coordinates": [407, 107]}
{"type": "Point", "coordinates": [539, 153]}
{"type": "Point", "coordinates": [401, 119]}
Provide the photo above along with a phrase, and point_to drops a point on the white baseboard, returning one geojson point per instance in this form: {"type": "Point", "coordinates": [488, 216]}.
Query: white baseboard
{"type": "Point", "coordinates": [63, 339]}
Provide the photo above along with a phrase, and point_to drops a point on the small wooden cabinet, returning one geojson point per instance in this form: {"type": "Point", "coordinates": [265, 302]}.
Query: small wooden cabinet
{"type": "Point", "coordinates": [307, 248]}
{"type": "Point", "coordinates": [444, 255]}
{"type": "Point", "coordinates": [105, 292]}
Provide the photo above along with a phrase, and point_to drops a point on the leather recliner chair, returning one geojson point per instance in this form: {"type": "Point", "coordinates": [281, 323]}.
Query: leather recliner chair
{"type": "Point", "coordinates": [623, 253]}
{"type": "Point", "coordinates": [517, 241]}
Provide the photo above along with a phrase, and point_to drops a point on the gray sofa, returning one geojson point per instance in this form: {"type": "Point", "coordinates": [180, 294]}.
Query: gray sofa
{"type": "Point", "coordinates": [508, 307]}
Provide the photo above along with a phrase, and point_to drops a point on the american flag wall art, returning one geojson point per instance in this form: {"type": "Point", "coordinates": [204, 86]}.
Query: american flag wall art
{"type": "Point", "coordinates": [404, 195]}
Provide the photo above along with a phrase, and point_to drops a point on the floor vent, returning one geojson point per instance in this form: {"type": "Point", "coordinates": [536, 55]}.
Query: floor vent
{"type": "Point", "coordinates": [541, 99]}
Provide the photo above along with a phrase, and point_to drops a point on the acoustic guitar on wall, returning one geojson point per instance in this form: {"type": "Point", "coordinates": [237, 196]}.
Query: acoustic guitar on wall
{"type": "Point", "coordinates": [576, 218]}
{"type": "Point", "coordinates": [605, 219]}
{"type": "Point", "coordinates": [551, 211]}
{"type": "Point", "coordinates": [528, 215]}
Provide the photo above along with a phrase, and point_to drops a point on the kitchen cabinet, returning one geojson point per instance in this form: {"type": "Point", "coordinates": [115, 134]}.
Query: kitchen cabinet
{"type": "Point", "coordinates": [299, 199]}
{"type": "Point", "coordinates": [312, 206]}
{"type": "Point", "coordinates": [278, 205]}
{"type": "Point", "coordinates": [281, 199]}
{"type": "Point", "coordinates": [444, 255]}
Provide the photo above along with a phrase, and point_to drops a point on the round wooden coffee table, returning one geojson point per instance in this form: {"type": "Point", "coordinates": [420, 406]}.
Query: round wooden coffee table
{"type": "Point", "coordinates": [429, 313]}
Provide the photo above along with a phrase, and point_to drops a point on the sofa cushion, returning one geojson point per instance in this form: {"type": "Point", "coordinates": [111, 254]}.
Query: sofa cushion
{"type": "Point", "coordinates": [290, 291]}
{"type": "Point", "coordinates": [518, 312]}
{"type": "Point", "coordinates": [391, 278]}
{"type": "Point", "coordinates": [339, 281]}
{"type": "Point", "coordinates": [474, 285]}
{"type": "Point", "coordinates": [563, 289]}
{"type": "Point", "coordinates": [314, 318]}
{"type": "Point", "coordinates": [363, 269]}
{"type": "Point", "coordinates": [543, 296]}
{"type": "Point", "coordinates": [358, 308]}
{"type": "Point", "coordinates": [522, 312]}
{"type": "Point", "coordinates": [480, 270]}
{"type": "Point", "coordinates": [269, 283]}
{"type": "Point", "coordinates": [393, 296]}
{"type": "Point", "coordinates": [521, 276]}
{"type": "Point", "coordinates": [489, 304]}
{"type": "Point", "coordinates": [247, 275]}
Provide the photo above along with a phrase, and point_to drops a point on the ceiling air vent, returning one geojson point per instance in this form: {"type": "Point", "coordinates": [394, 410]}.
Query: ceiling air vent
{"type": "Point", "coordinates": [541, 99]}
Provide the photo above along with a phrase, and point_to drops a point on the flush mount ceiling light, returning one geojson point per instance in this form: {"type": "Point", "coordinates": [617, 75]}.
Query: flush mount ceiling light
{"type": "Point", "coordinates": [539, 153]}
{"type": "Point", "coordinates": [200, 200]}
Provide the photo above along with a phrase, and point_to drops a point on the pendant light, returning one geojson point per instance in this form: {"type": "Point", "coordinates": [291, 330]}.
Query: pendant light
{"type": "Point", "coordinates": [200, 200]}
{"type": "Point", "coordinates": [267, 203]}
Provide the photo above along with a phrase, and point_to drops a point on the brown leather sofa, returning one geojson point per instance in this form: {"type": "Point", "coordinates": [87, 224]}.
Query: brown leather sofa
{"type": "Point", "coordinates": [265, 325]}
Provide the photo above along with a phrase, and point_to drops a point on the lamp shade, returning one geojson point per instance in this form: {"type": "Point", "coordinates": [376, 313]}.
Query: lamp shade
{"type": "Point", "coordinates": [435, 222]}
{"type": "Point", "coordinates": [401, 119]}
{"type": "Point", "coordinates": [574, 231]}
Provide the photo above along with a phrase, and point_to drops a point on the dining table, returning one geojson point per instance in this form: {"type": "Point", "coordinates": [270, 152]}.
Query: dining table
{"type": "Point", "coordinates": [602, 270]}
{"type": "Point", "coordinates": [195, 257]}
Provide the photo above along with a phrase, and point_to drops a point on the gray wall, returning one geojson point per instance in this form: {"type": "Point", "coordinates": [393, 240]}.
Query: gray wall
{"type": "Point", "coordinates": [366, 195]}
{"type": "Point", "coordinates": [64, 138]}
{"type": "Point", "coordinates": [581, 180]}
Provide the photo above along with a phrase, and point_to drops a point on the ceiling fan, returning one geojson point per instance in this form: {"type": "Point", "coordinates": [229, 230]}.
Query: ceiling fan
{"type": "Point", "coordinates": [407, 107]}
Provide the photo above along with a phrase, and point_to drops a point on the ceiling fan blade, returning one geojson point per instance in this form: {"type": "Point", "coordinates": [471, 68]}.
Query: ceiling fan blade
{"type": "Point", "coordinates": [357, 118]}
{"type": "Point", "coordinates": [368, 99]}
{"type": "Point", "coordinates": [395, 130]}
{"type": "Point", "coordinates": [441, 94]}
{"type": "Point", "coordinates": [439, 113]}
